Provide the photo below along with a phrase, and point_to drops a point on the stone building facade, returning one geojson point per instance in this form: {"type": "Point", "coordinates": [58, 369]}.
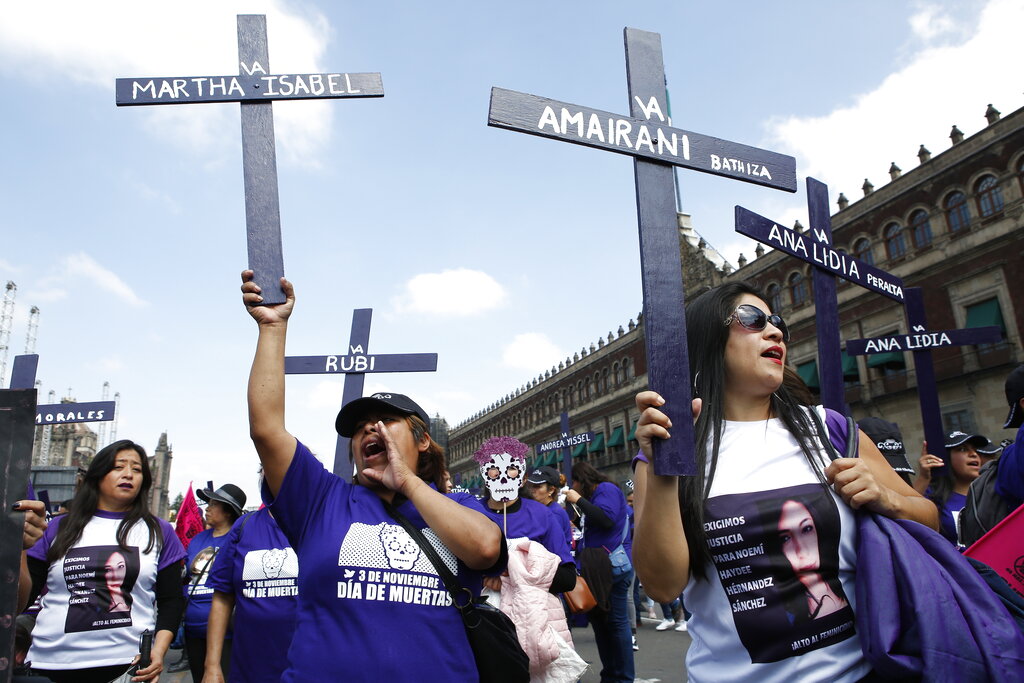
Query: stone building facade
{"type": "Point", "coordinates": [160, 468]}
{"type": "Point", "coordinates": [952, 226]}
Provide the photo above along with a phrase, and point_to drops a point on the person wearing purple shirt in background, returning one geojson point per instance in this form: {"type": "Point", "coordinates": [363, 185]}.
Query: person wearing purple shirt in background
{"type": "Point", "coordinates": [371, 605]}
{"type": "Point", "coordinates": [606, 525]}
{"type": "Point", "coordinates": [543, 485]}
{"type": "Point", "coordinates": [111, 570]}
{"type": "Point", "coordinates": [256, 575]}
{"type": "Point", "coordinates": [224, 507]}
{"type": "Point", "coordinates": [949, 490]}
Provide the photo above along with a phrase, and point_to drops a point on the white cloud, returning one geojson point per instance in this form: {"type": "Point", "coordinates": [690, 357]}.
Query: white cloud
{"type": "Point", "coordinates": [460, 292]}
{"type": "Point", "coordinates": [156, 196]}
{"type": "Point", "coordinates": [325, 395]}
{"type": "Point", "coordinates": [930, 22]}
{"type": "Point", "coordinates": [81, 265]}
{"type": "Point", "coordinates": [7, 268]}
{"type": "Point", "coordinates": [532, 351]}
{"type": "Point", "coordinates": [111, 364]}
{"type": "Point", "coordinates": [127, 38]}
{"type": "Point", "coordinates": [938, 87]}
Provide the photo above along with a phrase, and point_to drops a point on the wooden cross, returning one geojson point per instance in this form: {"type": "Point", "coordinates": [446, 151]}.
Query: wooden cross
{"type": "Point", "coordinates": [16, 433]}
{"type": "Point", "coordinates": [255, 88]}
{"type": "Point", "coordinates": [565, 442]}
{"type": "Point", "coordinates": [921, 342]}
{"type": "Point", "coordinates": [354, 366]}
{"type": "Point", "coordinates": [23, 376]}
{"type": "Point", "coordinates": [816, 249]}
{"type": "Point", "coordinates": [647, 135]}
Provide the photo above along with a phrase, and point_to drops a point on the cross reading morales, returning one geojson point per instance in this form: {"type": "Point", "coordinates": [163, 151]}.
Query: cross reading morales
{"type": "Point", "coordinates": [23, 376]}
{"type": "Point", "coordinates": [656, 146]}
{"type": "Point", "coordinates": [255, 88]}
{"type": "Point", "coordinates": [354, 366]}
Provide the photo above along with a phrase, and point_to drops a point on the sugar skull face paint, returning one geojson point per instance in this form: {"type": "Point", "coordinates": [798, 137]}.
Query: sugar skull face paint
{"type": "Point", "coordinates": [502, 463]}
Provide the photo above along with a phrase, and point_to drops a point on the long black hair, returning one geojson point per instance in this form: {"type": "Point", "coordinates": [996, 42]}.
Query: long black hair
{"type": "Point", "coordinates": [706, 337]}
{"type": "Point", "coordinates": [87, 498]}
{"type": "Point", "coordinates": [588, 477]}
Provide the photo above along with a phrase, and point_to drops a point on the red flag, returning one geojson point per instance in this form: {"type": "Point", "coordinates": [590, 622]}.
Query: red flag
{"type": "Point", "coordinates": [189, 521]}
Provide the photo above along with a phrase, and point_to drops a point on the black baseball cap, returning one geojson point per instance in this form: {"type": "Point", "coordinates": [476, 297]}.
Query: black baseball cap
{"type": "Point", "coordinates": [229, 494]}
{"type": "Point", "coordinates": [958, 438]}
{"type": "Point", "coordinates": [1014, 393]}
{"type": "Point", "coordinates": [544, 475]}
{"type": "Point", "coordinates": [350, 413]}
{"type": "Point", "coordinates": [989, 449]}
{"type": "Point", "coordinates": [886, 435]}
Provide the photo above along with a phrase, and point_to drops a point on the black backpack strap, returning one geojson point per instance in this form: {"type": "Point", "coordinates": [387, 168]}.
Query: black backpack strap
{"type": "Point", "coordinates": [447, 577]}
{"type": "Point", "coordinates": [849, 448]}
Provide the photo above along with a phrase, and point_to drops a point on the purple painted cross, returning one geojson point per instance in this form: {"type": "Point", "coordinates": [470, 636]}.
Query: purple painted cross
{"type": "Point", "coordinates": [565, 442]}
{"type": "Point", "coordinates": [23, 376]}
{"type": "Point", "coordinates": [647, 135]}
{"type": "Point", "coordinates": [817, 250]}
{"type": "Point", "coordinates": [921, 342]}
{"type": "Point", "coordinates": [255, 88]}
{"type": "Point", "coordinates": [354, 366]}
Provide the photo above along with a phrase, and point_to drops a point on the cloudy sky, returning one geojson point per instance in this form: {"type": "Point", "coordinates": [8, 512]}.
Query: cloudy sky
{"type": "Point", "coordinates": [503, 253]}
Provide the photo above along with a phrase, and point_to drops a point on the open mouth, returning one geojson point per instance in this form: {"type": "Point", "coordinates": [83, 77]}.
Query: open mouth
{"type": "Point", "coordinates": [126, 486]}
{"type": "Point", "coordinates": [773, 354]}
{"type": "Point", "coordinates": [372, 447]}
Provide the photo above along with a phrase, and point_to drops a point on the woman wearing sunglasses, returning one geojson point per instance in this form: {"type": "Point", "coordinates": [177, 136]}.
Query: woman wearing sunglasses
{"type": "Point", "coordinates": [717, 534]}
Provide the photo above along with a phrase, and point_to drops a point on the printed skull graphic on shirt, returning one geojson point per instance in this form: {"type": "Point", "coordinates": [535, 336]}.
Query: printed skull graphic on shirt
{"type": "Point", "coordinates": [273, 561]}
{"type": "Point", "coordinates": [399, 547]}
{"type": "Point", "coordinates": [503, 475]}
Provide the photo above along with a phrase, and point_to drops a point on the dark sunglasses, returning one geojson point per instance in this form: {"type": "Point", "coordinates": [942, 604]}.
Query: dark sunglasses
{"type": "Point", "coordinates": [755, 320]}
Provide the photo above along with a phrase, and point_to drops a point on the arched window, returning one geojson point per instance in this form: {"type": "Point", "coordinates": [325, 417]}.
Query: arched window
{"type": "Point", "coordinates": [862, 251]}
{"type": "Point", "coordinates": [920, 228]}
{"type": "Point", "coordinates": [582, 391]}
{"type": "Point", "coordinates": [990, 196]}
{"type": "Point", "coordinates": [572, 397]}
{"type": "Point", "coordinates": [774, 294]}
{"type": "Point", "coordinates": [798, 289]}
{"type": "Point", "coordinates": [1020, 172]}
{"type": "Point", "coordinates": [618, 374]}
{"type": "Point", "coordinates": [957, 217]}
{"type": "Point", "coordinates": [604, 380]}
{"type": "Point", "coordinates": [895, 242]}
{"type": "Point", "coordinates": [627, 369]}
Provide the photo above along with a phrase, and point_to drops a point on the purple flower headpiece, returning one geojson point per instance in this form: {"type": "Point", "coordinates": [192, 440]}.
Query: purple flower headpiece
{"type": "Point", "coordinates": [501, 444]}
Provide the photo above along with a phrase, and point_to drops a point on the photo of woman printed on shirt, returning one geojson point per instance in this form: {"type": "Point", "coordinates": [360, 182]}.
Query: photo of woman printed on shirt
{"type": "Point", "coordinates": [777, 556]}
{"type": "Point", "coordinates": [802, 548]}
{"type": "Point", "coordinates": [100, 580]}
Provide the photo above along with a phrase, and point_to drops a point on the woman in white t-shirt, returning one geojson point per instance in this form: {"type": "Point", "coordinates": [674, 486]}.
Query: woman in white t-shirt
{"type": "Point", "coordinates": [763, 537]}
{"type": "Point", "coordinates": [111, 570]}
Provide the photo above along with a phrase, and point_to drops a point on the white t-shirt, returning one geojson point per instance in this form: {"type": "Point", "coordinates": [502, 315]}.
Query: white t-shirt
{"type": "Point", "coordinates": [100, 597]}
{"type": "Point", "coordinates": [778, 601]}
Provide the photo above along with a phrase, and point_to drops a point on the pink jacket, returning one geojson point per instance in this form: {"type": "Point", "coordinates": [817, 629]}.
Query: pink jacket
{"type": "Point", "coordinates": [525, 599]}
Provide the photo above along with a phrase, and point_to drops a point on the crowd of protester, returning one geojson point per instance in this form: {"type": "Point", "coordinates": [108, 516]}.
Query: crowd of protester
{"type": "Point", "coordinates": [768, 504]}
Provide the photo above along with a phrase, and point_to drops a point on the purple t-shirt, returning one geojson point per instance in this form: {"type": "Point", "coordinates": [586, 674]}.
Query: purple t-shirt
{"type": "Point", "coordinates": [534, 521]}
{"type": "Point", "coordinates": [948, 514]}
{"type": "Point", "coordinates": [563, 522]}
{"type": "Point", "coordinates": [371, 605]}
{"type": "Point", "coordinates": [203, 555]}
{"type": "Point", "coordinates": [100, 596]}
{"type": "Point", "coordinates": [609, 498]}
{"type": "Point", "coordinates": [258, 567]}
